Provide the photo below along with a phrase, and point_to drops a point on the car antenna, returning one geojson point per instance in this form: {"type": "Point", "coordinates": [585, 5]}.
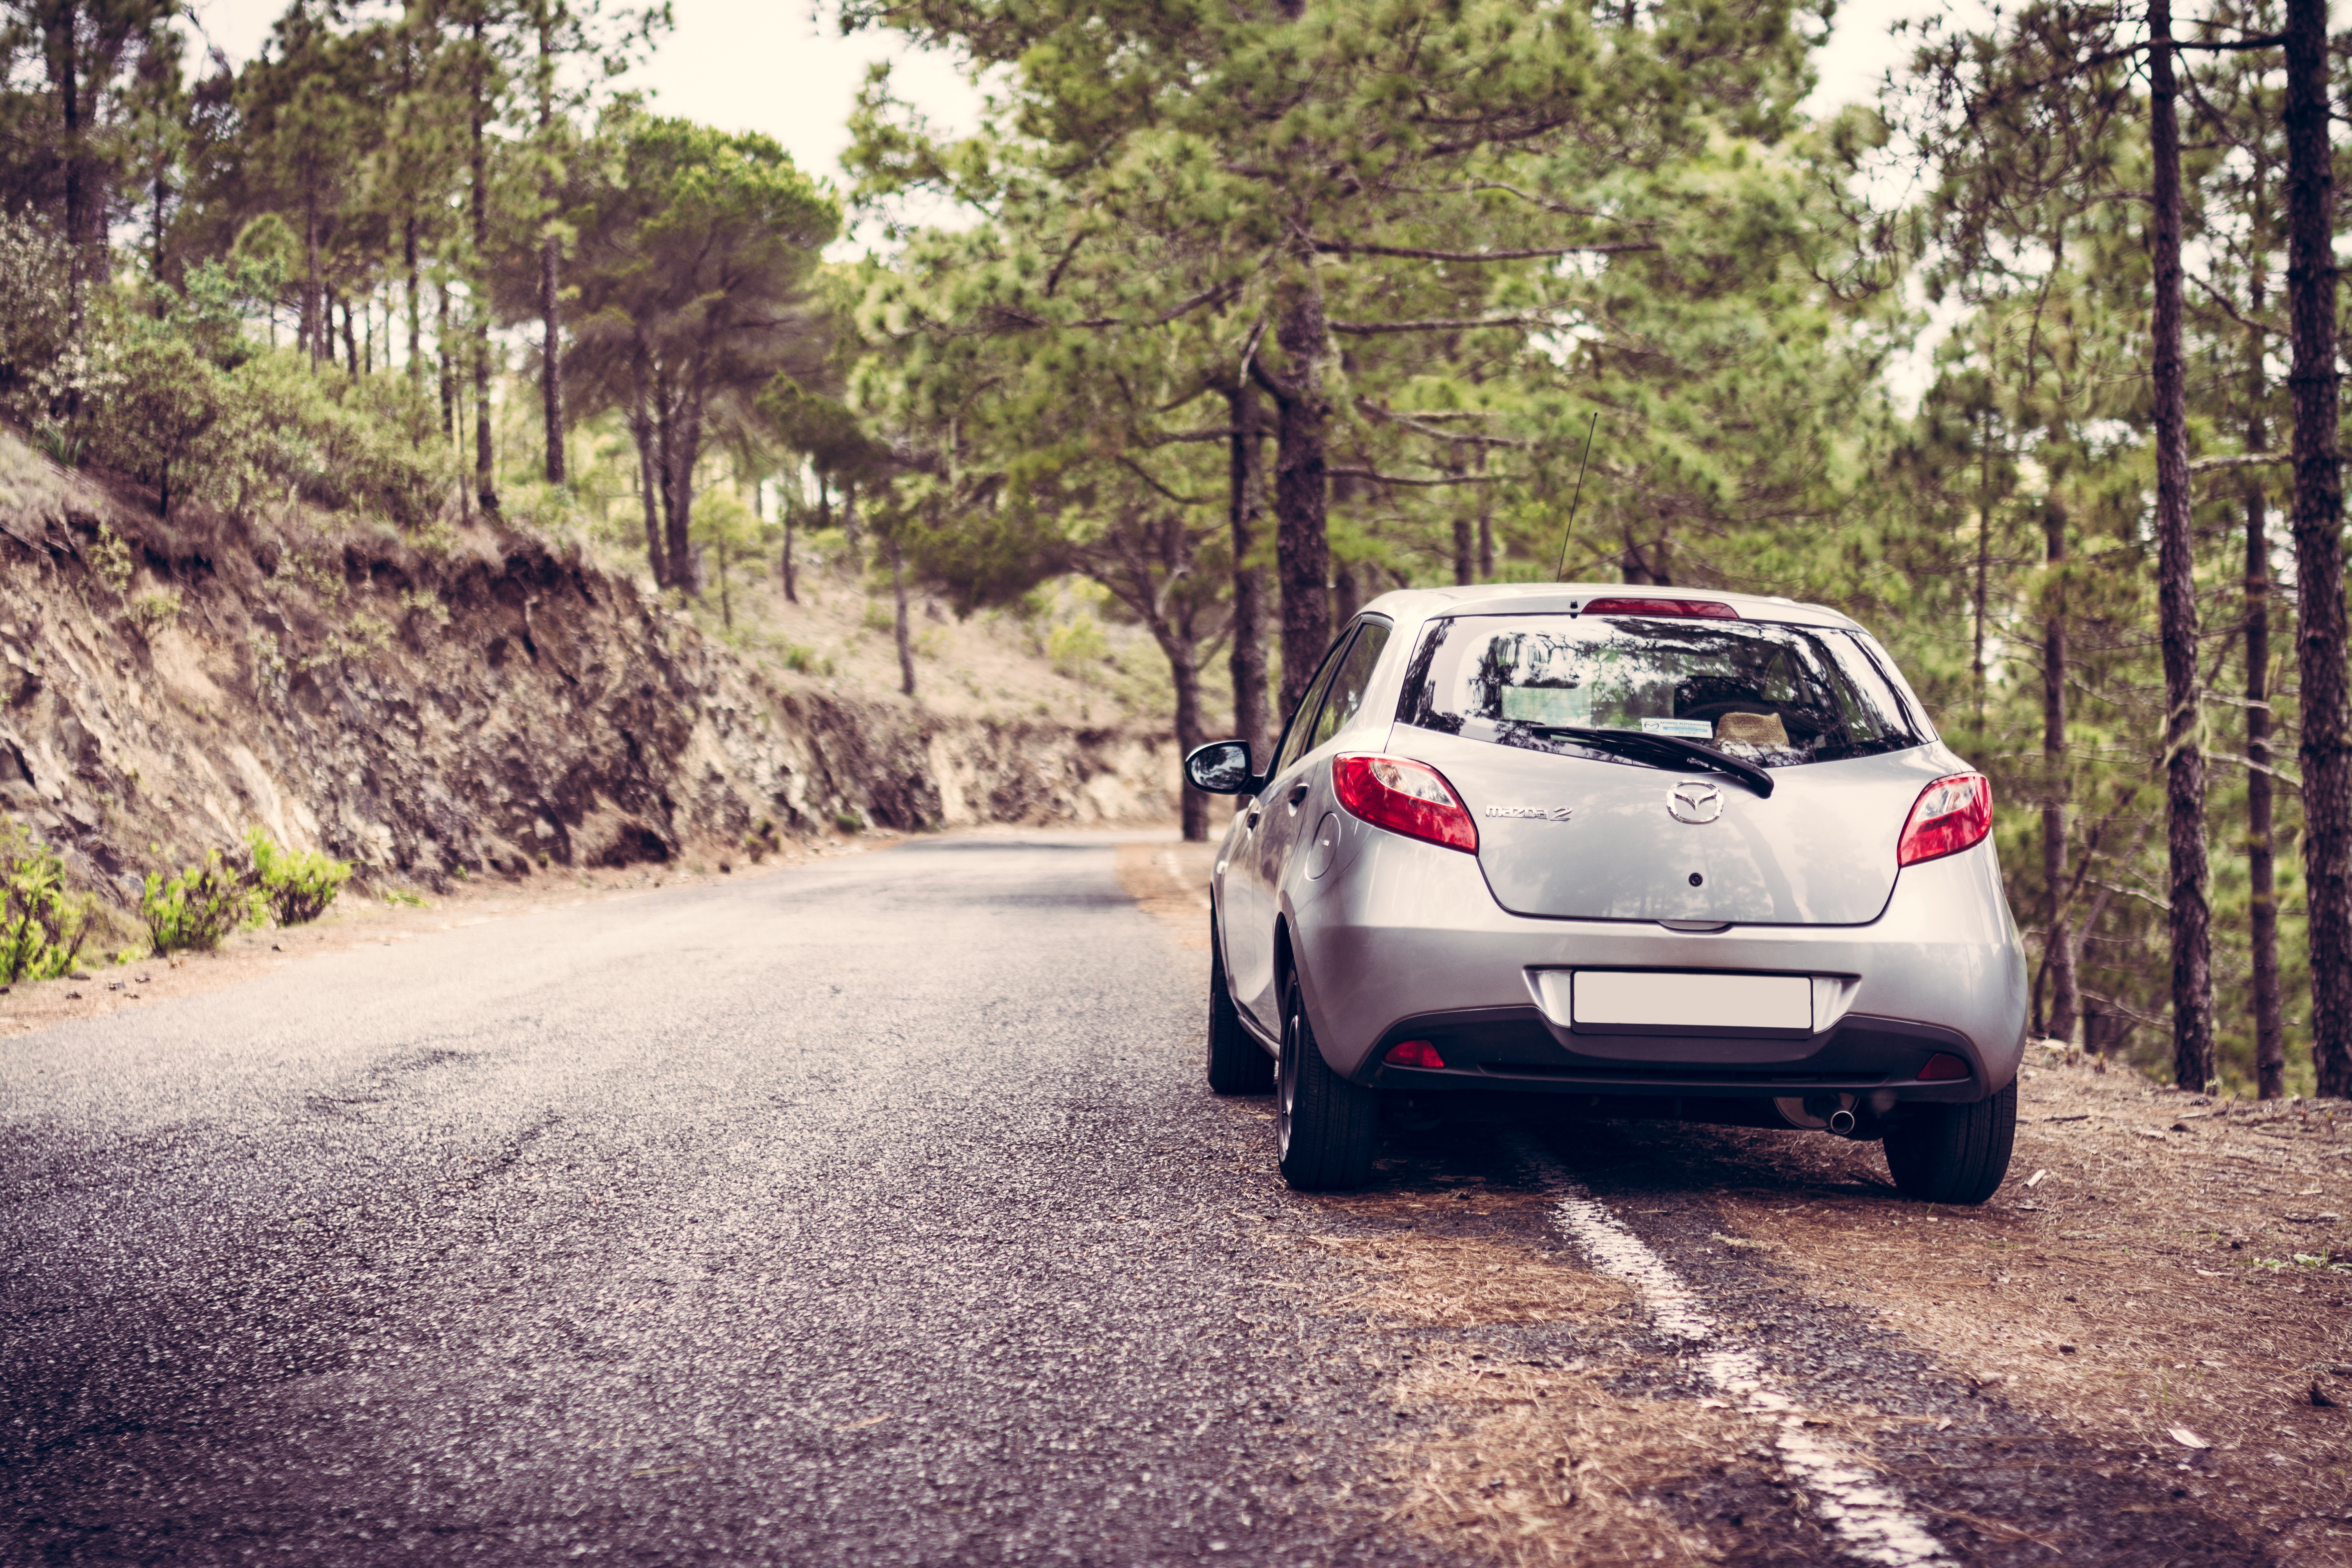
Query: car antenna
{"type": "Point", "coordinates": [1566, 534]}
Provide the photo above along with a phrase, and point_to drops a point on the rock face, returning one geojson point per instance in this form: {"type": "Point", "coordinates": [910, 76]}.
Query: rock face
{"type": "Point", "coordinates": [472, 698]}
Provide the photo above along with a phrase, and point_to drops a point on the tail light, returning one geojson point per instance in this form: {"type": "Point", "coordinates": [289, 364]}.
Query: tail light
{"type": "Point", "coordinates": [1414, 1054]}
{"type": "Point", "coordinates": [1410, 798]}
{"type": "Point", "coordinates": [1943, 1066]}
{"type": "Point", "coordinates": [1698, 609]}
{"type": "Point", "coordinates": [1951, 814]}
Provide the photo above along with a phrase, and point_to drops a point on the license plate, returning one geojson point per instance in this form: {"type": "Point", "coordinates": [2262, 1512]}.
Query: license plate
{"type": "Point", "coordinates": [1652, 999]}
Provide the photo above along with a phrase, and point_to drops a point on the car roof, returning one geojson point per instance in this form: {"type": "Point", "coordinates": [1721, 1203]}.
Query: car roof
{"type": "Point", "coordinates": [1539, 598]}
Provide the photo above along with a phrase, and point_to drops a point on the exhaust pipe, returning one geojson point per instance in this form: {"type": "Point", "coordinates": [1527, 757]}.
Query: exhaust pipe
{"type": "Point", "coordinates": [1841, 1122]}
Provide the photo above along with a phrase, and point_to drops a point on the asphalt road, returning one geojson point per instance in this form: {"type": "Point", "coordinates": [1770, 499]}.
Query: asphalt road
{"type": "Point", "coordinates": [873, 1212]}
{"type": "Point", "coordinates": [853, 1213]}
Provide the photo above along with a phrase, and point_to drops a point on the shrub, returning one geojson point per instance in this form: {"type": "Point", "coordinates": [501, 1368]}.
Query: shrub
{"type": "Point", "coordinates": [153, 612]}
{"type": "Point", "coordinates": [196, 909]}
{"type": "Point", "coordinates": [296, 888]}
{"type": "Point", "coordinates": [41, 925]}
{"type": "Point", "coordinates": [369, 443]}
{"type": "Point", "coordinates": [162, 426]}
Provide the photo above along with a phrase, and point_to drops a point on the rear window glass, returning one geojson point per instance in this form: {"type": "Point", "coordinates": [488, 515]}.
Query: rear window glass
{"type": "Point", "coordinates": [1774, 694]}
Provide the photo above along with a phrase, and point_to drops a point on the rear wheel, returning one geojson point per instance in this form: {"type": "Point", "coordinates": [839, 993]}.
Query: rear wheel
{"type": "Point", "coordinates": [1236, 1065]}
{"type": "Point", "coordinates": [1327, 1129]}
{"type": "Point", "coordinates": [1953, 1153]}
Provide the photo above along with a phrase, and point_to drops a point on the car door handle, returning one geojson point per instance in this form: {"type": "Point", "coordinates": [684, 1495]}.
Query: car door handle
{"type": "Point", "coordinates": [1298, 793]}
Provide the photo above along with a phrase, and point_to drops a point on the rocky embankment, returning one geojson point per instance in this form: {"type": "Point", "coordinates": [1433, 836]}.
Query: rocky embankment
{"type": "Point", "coordinates": [471, 698]}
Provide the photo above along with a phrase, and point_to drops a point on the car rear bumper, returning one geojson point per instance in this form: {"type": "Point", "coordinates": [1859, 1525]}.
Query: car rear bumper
{"type": "Point", "coordinates": [1402, 941]}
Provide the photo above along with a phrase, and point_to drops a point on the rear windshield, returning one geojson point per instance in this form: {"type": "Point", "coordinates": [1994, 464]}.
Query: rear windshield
{"type": "Point", "coordinates": [1778, 695]}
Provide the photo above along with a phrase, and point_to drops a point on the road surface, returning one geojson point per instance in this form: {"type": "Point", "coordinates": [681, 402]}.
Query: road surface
{"type": "Point", "coordinates": [873, 1212]}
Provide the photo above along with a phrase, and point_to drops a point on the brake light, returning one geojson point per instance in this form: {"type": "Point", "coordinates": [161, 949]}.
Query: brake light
{"type": "Point", "coordinates": [1942, 1068]}
{"type": "Point", "coordinates": [1695, 609]}
{"type": "Point", "coordinates": [1950, 814]}
{"type": "Point", "coordinates": [1414, 1054]}
{"type": "Point", "coordinates": [1407, 797]}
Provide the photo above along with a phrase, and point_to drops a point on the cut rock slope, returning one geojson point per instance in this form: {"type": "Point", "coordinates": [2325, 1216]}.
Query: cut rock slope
{"type": "Point", "coordinates": [471, 699]}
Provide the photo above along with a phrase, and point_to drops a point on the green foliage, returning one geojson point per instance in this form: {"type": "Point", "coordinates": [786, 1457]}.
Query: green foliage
{"type": "Point", "coordinates": [150, 613]}
{"type": "Point", "coordinates": [160, 423]}
{"type": "Point", "coordinates": [42, 926]}
{"type": "Point", "coordinates": [296, 888]}
{"type": "Point", "coordinates": [195, 910]}
{"type": "Point", "coordinates": [370, 444]}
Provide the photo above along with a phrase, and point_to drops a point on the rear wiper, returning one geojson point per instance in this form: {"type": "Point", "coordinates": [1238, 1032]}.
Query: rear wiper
{"type": "Point", "coordinates": [1676, 747]}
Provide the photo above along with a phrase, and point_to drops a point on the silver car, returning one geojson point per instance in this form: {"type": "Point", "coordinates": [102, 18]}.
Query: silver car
{"type": "Point", "coordinates": [1665, 851]}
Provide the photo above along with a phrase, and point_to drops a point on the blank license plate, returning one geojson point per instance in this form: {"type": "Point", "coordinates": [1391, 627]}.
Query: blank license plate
{"type": "Point", "coordinates": [1650, 999]}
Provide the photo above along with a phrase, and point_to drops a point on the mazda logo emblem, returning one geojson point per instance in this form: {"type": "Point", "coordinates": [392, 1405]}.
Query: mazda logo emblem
{"type": "Point", "coordinates": [1694, 801]}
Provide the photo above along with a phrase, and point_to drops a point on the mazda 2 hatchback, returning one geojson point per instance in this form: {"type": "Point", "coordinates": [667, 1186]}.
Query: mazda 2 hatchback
{"type": "Point", "coordinates": [1666, 851]}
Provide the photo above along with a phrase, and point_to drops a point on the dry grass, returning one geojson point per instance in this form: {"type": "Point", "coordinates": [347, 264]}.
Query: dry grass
{"type": "Point", "coordinates": [1545, 1465]}
{"type": "Point", "coordinates": [2146, 1281]}
{"type": "Point", "coordinates": [1169, 880]}
{"type": "Point", "coordinates": [1466, 1282]}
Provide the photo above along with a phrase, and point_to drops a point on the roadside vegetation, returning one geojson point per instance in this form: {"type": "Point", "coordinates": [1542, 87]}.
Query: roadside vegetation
{"type": "Point", "coordinates": [1222, 333]}
{"type": "Point", "coordinates": [42, 924]}
{"type": "Point", "coordinates": [197, 909]}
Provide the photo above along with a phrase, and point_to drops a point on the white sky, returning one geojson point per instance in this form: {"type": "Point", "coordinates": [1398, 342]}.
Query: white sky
{"type": "Point", "coordinates": [768, 65]}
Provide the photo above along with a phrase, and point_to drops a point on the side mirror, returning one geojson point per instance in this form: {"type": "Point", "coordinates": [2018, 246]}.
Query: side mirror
{"type": "Point", "coordinates": [1221, 767]}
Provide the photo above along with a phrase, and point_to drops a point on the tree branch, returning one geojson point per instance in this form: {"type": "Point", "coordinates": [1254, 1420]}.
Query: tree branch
{"type": "Point", "coordinates": [2240, 460]}
{"type": "Point", "coordinates": [1454, 324]}
{"type": "Point", "coordinates": [1407, 422]}
{"type": "Point", "coordinates": [1377, 476]}
{"type": "Point", "coordinates": [1349, 247]}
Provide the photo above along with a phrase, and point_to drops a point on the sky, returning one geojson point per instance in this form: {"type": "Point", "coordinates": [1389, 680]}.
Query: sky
{"type": "Point", "coordinates": [767, 65]}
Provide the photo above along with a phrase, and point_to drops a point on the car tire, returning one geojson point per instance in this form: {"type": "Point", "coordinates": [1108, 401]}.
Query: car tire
{"type": "Point", "coordinates": [1325, 1129]}
{"type": "Point", "coordinates": [1236, 1065]}
{"type": "Point", "coordinates": [1953, 1153]}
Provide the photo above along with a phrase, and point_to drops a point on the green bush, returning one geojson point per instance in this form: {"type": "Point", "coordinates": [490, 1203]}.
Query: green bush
{"type": "Point", "coordinates": [296, 888]}
{"type": "Point", "coordinates": [41, 925]}
{"type": "Point", "coordinates": [196, 909]}
{"type": "Point", "coordinates": [350, 443]}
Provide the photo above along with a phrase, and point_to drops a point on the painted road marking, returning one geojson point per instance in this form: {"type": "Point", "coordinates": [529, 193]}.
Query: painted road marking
{"type": "Point", "coordinates": [1866, 1515]}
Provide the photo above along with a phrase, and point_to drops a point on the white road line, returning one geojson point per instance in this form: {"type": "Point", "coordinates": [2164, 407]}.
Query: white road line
{"type": "Point", "coordinates": [1866, 1515]}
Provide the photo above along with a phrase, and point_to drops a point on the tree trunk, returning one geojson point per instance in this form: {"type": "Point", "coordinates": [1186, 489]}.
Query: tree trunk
{"type": "Point", "coordinates": [2261, 916]}
{"type": "Point", "coordinates": [64, 28]}
{"type": "Point", "coordinates": [1184, 673]}
{"type": "Point", "coordinates": [1984, 561]}
{"type": "Point", "coordinates": [485, 489]}
{"type": "Point", "coordinates": [2057, 942]}
{"type": "Point", "coordinates": [550, 360]}
{"type": "Point", "coordinates": [1245, 507]}
{"type": "Point", "coordinates": [1465, 550]}
{"type": "Point", "coordinates": [2184, 758]}
{"type": "Point", "coordinates": [350, 337]}
{"type": "Point", "coordinates": [2319, 545]}
{"type": "Point", "coordinates": [651, 473]}
{"type": "Point", "coordinates": [676, 443]}
{"type": "Point", "coordinates": [852, 548]}
{"type": "Point", "coordinates": [1486, 541]}
{"type": "Point", "coordinates": [309, 333]}
{"type": "Point", "coordinates": [1346, 594]}
{"type": "Point", "coordinates": [415, 304]}
{"type": "Point", "coordinates": [448, 371]}
{"type": "Point", "coordinates": [551, 351]}
{"type": "Point", "coordinates": [784, 565]}
{"type": "Point", "coordinates": [1302, 546]}
{"type": "Point", "coordinates": [899, 594]}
